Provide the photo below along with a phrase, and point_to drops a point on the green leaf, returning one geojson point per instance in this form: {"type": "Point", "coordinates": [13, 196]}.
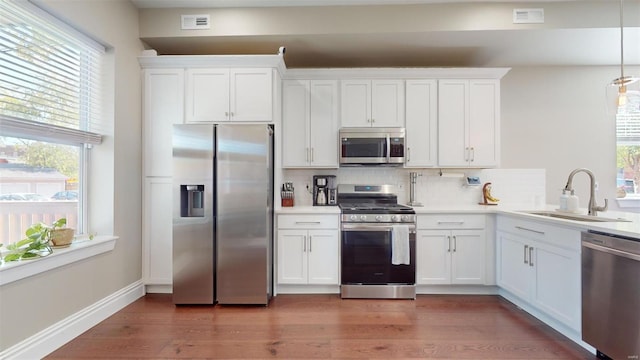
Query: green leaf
{"type": "Point", "coordinates": [60, 223]}
{"type": "Point", "coordinates": [12, 257]}
{"type": "Point", "coordinates": [29, 255]}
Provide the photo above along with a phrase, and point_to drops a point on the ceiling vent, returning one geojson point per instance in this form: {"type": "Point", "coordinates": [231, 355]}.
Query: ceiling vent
{"type": "Point", "coordinates": [196, 22]}
{"type": "Point", "coordinates": [528, 16]}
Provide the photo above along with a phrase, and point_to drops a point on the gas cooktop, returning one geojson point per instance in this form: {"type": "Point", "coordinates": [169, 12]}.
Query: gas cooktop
{"type": "Point", "coordinates": [375, 208]}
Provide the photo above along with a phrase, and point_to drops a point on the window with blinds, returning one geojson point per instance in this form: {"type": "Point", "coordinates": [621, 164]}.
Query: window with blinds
{"type": "Point", "coordinates": [50, 77]}
{"type": "Point", "coordinates": [628, 148]}
{"type": "Point", "coordinates": [50, 116]}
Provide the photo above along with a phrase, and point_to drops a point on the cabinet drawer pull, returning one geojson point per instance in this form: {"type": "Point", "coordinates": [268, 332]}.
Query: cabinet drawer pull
{"type": "Point", "coordinates": [442, 222]}
{"type": "Point", "coordinates": [531, 256]}
{"type": "Point", "coordinates": [307, 222]}
{"type": "Point", "coordinates": [526, 250]}
{"type": "Point", "coordinates": [530, 230]}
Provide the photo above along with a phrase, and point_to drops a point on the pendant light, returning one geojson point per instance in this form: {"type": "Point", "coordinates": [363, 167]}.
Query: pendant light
{"type": "Point", "coordinates": [624, 80]}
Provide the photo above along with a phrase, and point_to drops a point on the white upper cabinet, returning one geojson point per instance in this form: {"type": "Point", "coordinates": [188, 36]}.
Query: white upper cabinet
{"type": "Point", "coordinates": [310, 123]}
{"type": "Point", "coordinates": [163, 106]}
{"type": "Point", "coordinates": [421, 123]}
{"type": "Point", "coordinates": [369, 103]}
{"type": "Point", "coordinates": [468, 123]}
{"type": "Point", "coordinates": [221, 94]}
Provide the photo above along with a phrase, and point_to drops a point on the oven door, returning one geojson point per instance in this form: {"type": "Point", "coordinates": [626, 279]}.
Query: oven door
{"type": "Point", "coordinates": [366, 256]}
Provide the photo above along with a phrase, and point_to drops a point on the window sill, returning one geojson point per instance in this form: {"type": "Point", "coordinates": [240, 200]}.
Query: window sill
{"type": "Point", "coordinates": [17, 270]}
{"type": "Point", "coordinates": [628, 202]}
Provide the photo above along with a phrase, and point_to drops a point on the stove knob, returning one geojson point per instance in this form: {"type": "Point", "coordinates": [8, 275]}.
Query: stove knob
{"type": "Point", "coordinates": [405, 217]}
{"type": "Point", "coordinates": [353, 218]}
{"type": "Point", "coordinates": [378, 217]}
{"type": "Point", "coordinates": [394, 218]}
{"type": "Point", "coordinates": [363, 217]}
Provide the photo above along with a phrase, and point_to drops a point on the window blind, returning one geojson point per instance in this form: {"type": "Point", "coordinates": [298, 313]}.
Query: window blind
{"type": "Point", "coordinates": [50, 77]}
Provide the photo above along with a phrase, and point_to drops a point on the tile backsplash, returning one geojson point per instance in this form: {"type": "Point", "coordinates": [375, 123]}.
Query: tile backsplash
{"type": "Point", "coordinates": [514, 187]}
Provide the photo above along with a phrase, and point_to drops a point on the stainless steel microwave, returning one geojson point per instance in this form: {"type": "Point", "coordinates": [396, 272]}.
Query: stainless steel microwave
{"type": "Point", "coordinates": [372, 146]}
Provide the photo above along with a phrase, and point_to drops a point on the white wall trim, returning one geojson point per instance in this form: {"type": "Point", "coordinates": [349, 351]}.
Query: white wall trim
{"type": "Point", "coordinates": [48, 340]}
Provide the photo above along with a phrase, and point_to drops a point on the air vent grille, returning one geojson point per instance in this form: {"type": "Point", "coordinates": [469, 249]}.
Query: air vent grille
{"type": "Point", "coordinates": [196, 22]}
{"type": "Point", "coordinates": [528, 16]}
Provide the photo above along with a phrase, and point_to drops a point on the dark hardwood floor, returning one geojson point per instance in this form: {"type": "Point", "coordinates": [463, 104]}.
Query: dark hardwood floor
{"type": "Point", "coordinates": [324, 327]}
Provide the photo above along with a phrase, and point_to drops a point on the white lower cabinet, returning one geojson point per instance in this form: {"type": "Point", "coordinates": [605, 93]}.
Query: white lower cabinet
{"type": "Point", "coordinates": [308, 250]}
{"type": "Point", "coordinates": [540, 264]}
{"type": "Point", "coordinates": [450, 249]}
{"type": "Point", "coordinates": [450, 257]}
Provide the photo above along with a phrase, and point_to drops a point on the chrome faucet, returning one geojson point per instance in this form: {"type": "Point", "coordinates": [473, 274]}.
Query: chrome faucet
{"type": "Point", "coordinates": [593, 207]}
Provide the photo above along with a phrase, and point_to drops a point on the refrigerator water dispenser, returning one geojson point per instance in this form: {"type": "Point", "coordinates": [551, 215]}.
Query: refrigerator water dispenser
{"type": "Point", "coordinates": [192, 200]}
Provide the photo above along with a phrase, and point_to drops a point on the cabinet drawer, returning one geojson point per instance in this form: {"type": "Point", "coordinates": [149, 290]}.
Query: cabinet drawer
{"type": "Point", "coordinates": [551, 234]}
{"type": "Point", "coordinates": [308, 222]}
{"type": "Point", "coordinates": [451, 221]}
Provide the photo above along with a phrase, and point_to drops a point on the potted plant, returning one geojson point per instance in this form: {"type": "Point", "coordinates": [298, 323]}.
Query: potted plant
{"type": "Point", "coordinates": [40, 238]}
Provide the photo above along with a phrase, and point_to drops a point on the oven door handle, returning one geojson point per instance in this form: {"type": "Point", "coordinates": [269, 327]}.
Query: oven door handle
{"type": "Point", "coordinates": [373, 227]}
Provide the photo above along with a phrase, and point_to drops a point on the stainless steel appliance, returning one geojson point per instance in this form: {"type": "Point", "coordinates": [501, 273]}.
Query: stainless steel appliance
{"type": "Point", "coordinates": [324, 192]}
{"type": "Point", "coordinates": [611, 294]}
{"type": "Point", "coordinates": [372, 225]}
{"type": "Point", "coordinates": [372, 146]}
{"type": "Point", "coordinates": [223, 214]}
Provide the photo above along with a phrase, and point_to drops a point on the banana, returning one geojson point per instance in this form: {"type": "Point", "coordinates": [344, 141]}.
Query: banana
{"type": "Point", "coordinates": [486, 191]}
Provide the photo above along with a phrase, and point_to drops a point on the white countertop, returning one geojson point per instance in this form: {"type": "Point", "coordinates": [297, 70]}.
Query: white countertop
{"type": "Point", "coordinates": [630, 228]}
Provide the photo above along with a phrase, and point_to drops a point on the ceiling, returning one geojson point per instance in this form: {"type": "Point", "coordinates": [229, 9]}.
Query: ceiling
{"type": "Point", "coordinates": [577, 43]}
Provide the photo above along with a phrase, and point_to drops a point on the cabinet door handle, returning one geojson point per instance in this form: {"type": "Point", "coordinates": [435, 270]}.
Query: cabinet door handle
{"type": "Point", "coordinates": [455, 243]}
{"type": "Point", "coordinates": [449, 241]}
{"type": "Point", "coordinates": [232, 114]}
{"type": "Point", "coordinates": [304, 243]}
{"type": "Point", "coordinates": [226, 113]}
{"type": "Point", "coordinates": [473, 154]}
{"type": "Point", "coordinates": [306, 154]}
{"type": "Point", "coordinates": [530, 230]}
{"type": "Point", "coordinates": [310, 242]}
{"type": "Point", "coordinates": [531, 256]}
{"type": "Point", "coordinates": [526, 248]}
{"type": "Point", "coordinates": [311, 154]}
{"type": "Point", "coordinates": [442, 222]}
{"type": "Point", "coordinates": [466, 154]}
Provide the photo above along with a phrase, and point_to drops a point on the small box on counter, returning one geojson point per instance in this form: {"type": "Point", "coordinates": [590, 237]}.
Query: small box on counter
{"type": "Point", "coordinates": [287, 194]}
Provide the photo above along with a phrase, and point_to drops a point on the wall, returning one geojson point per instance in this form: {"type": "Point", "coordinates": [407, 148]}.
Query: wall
{"type": "Point", "coordinates": [557, 118]}
{"type": "Point", "coordinates": [33, 304]}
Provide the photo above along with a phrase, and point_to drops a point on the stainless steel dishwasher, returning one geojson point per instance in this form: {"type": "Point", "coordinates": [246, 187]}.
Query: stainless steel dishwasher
{"type": "Point", "coordinates": [611, 294]}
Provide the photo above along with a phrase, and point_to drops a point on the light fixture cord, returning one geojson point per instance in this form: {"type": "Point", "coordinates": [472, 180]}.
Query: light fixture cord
{"type": "Point", "coordinates": [621, 43]}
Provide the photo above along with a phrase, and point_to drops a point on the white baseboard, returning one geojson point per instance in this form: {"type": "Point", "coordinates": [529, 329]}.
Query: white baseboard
{"type": "Point", "coordinates": [159, 289]}
{"type": "Point", "coordinates": [48, 340]}
{"type": "Point", "coordinates": [456, 290]}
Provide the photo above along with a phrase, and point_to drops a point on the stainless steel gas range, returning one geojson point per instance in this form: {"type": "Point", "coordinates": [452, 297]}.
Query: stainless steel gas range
{"type": "Point", "coordinates": [378, 242]}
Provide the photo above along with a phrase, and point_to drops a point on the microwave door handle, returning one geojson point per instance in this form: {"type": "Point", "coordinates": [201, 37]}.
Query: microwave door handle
{"type": "Point", "coordinates": [388, 149]}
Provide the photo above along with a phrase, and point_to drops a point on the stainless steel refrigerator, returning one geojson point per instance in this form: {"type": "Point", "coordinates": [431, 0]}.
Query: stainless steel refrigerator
{"type": "Point", "coordinates": [222, 214]}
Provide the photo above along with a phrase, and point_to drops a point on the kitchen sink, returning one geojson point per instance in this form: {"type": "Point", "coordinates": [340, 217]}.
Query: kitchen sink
{"type": "Point", "coordinates": [574, 217]}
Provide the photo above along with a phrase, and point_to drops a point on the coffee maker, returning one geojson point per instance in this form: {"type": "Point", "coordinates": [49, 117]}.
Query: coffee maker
{"type": "Point", "coordinates": [324, 190]}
